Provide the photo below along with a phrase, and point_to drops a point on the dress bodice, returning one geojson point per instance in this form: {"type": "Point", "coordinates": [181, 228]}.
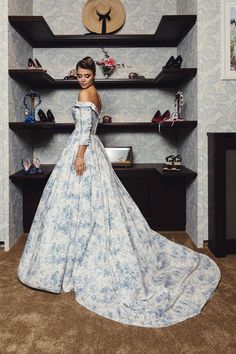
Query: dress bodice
{"type": "Point", "coordinates": [86, 116]}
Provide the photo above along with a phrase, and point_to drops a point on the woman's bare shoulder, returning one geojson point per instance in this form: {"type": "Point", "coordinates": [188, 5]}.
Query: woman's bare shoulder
{"type": "Point", "coordinates": [83, 95]}
{"type": "Point", "coordinates": [90, 95]}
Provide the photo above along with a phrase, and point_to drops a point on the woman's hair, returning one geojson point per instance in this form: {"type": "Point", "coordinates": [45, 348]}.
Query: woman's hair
{"type": "Point", "coordinates": [87, 63]}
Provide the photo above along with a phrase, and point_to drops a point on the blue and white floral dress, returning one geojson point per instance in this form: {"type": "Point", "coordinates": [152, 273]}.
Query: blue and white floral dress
{"type": "Point", "coordinates": [88, 236]}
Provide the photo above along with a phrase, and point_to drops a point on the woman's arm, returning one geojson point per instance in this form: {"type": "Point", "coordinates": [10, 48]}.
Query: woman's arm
{"type": "Point", "coordinates": [86, 124]}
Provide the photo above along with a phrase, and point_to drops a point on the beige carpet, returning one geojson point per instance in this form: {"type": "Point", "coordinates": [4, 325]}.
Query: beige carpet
{"type": "Point", "coordinates": [33, 321]}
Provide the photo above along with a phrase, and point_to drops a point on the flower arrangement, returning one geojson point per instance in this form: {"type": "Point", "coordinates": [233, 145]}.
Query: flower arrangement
{"type": "Point", "coordinates": [107, 65]}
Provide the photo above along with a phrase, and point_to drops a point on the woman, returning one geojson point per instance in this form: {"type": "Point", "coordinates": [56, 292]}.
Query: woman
{"type": "Point", "coordinates": [88, 236]}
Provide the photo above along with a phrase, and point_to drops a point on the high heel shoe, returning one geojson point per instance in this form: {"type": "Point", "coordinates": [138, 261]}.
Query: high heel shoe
{"type": "Point", "coordinates": [156, 116]}
{"type": "Point", "coordinates": [174, 63]}
{"type": "Point", "coordinates": [31, 64]}
{"type": "Point", "coordinates": [36, 164]}
{"type": "Point", "coordinates": [50, 116]}
{"type": "Point", "coordinates": [39, 66]}
{"type": "Point", "coordinates": [178, 61]}
{"type": "Point", "coordinates": [162, 117]}
{"type": "Point", "coordinates": [35, 64]}
{"type": "Point", "coordinates": [28, 168]}
{"type": "Point", "coordinates": [169, 63]}
{"type": "Point", "coordinates": [169, 163]}
{"type": "Point", "coordinates": [42, 116]}
{"type": "Point", "coordinates": [177, 163]}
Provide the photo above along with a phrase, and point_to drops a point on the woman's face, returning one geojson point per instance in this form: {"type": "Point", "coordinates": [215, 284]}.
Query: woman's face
{"type": "Point", "coordinates": [85, 77]}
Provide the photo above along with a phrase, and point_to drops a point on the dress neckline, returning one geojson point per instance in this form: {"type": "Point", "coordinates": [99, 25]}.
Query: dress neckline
{"type": "Point", "coordinates": [95, 108]}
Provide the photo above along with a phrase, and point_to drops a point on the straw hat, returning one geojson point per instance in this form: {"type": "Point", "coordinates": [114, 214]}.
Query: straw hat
{"type": "Point", "coordinates": [103, 16]}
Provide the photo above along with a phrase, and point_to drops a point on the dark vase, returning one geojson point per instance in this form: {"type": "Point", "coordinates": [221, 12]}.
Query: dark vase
{"type": "Point", "coordinates": [107, 70]}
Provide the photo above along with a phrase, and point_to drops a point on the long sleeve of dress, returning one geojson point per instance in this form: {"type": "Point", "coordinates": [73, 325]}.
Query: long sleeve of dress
{"type": "Point", "coordinates": [85, 124]}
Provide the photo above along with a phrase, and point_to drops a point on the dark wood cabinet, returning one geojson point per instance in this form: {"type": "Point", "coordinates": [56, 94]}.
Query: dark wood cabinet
{"type": "Point", "coordinates": [161, 196]}
{"type": "Point", "coordinates": [222, 193]}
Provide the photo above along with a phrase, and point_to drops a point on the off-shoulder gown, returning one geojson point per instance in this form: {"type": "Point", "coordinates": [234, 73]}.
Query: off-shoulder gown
{"type": "Point", "coordinates": [88, 236]}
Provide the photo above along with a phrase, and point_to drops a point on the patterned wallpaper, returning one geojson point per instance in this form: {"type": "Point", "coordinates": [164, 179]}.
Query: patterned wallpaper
{"type": "Point", "coordinates": [4, 200]}
{"type": "Point", "coordinates": [216, 97]}
{"type": "Point", "coordinates": [188, 142]}
{"type": "Point", "coordinates": [19, 144]}
{"type": "Point", "coordinates": [65, 17]}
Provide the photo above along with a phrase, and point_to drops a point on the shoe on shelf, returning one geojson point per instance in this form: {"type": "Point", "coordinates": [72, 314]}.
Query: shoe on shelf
{"type": "Point", "coordinates": [50, 116]}
{"type": "Point", "coordinates": [31, 64]}
{"type": "Point", "coordinates": [161, 118]}
{"type": "Point", "coordinates": [174, 63]}
{"type": "Point", "coordinates": [156, 116]}
{"type": "Point", "coordinates": [42, 116]}
{"type": "Point", "coordinates": [36, 164]}
{"type": "Point", "coordinates": [177, 163]}
{"type": "Point", "coordinates": [35, 64]}
{"type": "Point", "coordinates": [169, 63]}
{"type": "Point", "coordinates": [178, 61]}
{"type": "Point", "coordinates": [174, 117]}
{"type": "Point", "coordinates": [28, 168]}
{"type": "Point", "coordinates": [169, 163]}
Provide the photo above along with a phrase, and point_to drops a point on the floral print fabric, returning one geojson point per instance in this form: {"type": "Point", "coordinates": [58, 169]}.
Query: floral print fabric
{"type": "Point", "coordinates": [88, 236]}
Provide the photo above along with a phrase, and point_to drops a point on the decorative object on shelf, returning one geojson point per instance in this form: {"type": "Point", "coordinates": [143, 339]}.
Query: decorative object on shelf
{"type": "Point", "coordinates": [49, 118]}
{"type": "Point", "coordinates": [32, 167]}
{"type": "Point", "coordinates": [179, 102]}
{"type": "Point", "coordinates": [35, 64]}
{"type": "Point", "coordinates": [173, 163]}
{"type": "Point", "coordinates": [30, 112]}
{"type": "Point", "coordinates": [173, 63]}
{"type": "Point", "coordinates": [120, 156]}
{"type": "Point", "coordinates": [133, 75]}
{"type": "Point", "coordinates": [71, 75]}
{"type": "Point", "coordinates": [176, 115]}
{"type": "Point", "coordinates": [36, 164]}
{"type": "Point", "coordinates": [107, 65]}
{"type": "Point", "coordinates": [106, 119]}
{"type": "Point", "coordinates": [103, 16]}
{"type": "Point", "coordinates": [158, 118]}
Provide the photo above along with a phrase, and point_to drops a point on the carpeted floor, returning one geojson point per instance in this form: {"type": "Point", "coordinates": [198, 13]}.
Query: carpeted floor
{"type": "Point", "coordinates": [33, 321]}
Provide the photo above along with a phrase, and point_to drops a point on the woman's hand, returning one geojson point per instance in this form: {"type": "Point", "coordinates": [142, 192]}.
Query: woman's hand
{"type": "Point", "coordinates": [79, 165]}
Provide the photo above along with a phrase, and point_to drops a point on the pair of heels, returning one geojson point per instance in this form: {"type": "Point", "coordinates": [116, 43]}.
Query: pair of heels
{"type": "Point", "coordinates": [174, 63]}
{"type": "Point", "coordinates": [166, 117]}
{"type": "Point", "coordinates": [158, 118]}
{"type": "Point", "coordinates": [32, 167]}
{"type": "Point", "coordinates": [49, 117]}
{"type": "Point", "coordinates": [35, 64]}
{"type": "Point", "coordinates": [173, 163]}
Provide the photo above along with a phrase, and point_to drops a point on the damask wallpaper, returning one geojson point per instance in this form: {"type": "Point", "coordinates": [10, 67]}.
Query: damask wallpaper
{"type": "Point", "coordinates": [4, 199]}
{"type": "Point", "coordinates": [19, 144]}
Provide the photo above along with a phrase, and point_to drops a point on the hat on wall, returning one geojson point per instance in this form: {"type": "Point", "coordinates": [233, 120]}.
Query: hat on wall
{"type": "Point", "coordinates": [103, 16]}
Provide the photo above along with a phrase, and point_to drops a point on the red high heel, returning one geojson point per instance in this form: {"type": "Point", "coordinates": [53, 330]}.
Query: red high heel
{"type": "Point", "coordinates": [160, 119]}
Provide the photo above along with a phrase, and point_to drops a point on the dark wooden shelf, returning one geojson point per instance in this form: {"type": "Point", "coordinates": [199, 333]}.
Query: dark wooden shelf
{"type": "Point", "coordinates": [65, 127]}
{"type": "Point", "coordinates": [112, 127]}
{"type": "Point", "coordinates": [21, 177]}
{"type": "Point", "coordinates": [170, 31]}
{"type": "Point", "coordinates": [40, 79]}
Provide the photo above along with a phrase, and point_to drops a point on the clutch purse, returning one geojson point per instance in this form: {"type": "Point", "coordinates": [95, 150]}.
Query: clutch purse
{"type": "Point", "coordinates": [120, 156]}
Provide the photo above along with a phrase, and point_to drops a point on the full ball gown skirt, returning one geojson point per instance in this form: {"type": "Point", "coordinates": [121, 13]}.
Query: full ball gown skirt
{"type": "Point", "coordinates": [88, 236]}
